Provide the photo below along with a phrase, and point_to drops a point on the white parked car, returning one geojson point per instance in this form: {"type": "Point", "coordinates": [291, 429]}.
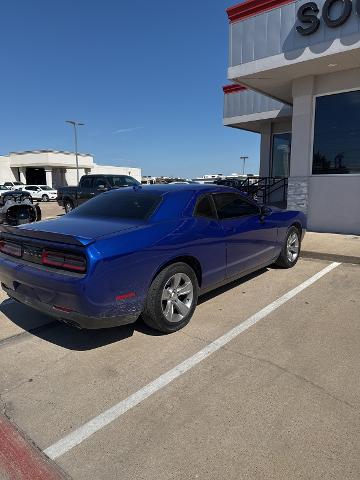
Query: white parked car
{"type": "Point", "coordinates": [13, 185]}
{"type": "Point", "coordinates": [4, 189]}
{"type": "Point", "coordinates": [41, 192]}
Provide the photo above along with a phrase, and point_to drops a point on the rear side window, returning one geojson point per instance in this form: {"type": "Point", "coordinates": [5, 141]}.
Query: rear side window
{"type": "Point", "coordinates": [232, 205]}
{"type": "Point", "coordinates": [119, 205]}
{"type": "Point", "coordinates": [204, 208]}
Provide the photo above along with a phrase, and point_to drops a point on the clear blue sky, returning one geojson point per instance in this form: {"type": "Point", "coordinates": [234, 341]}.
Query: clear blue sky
{"type": "Point", "coordinates": [145, 77]}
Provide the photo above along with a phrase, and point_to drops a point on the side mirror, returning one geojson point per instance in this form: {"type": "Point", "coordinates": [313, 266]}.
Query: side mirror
{"type": "Point", "coordinates": [102, 188]}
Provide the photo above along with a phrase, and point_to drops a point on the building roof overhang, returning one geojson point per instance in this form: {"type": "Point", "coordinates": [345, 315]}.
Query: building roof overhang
{"type": "Point", "coordinates": [49, 159]}
{"type": "Point", "coordinates": [274, 76]}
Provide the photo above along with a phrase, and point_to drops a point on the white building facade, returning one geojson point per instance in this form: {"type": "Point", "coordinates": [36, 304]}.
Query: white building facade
{"type": "Point", "coordinates": [295, 73]}
{"type": "Point", "coordinates": [54, 168]}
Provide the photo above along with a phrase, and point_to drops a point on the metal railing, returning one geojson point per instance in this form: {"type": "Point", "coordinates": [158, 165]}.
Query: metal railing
{"type": "Point", "coordinates": [264, 190]}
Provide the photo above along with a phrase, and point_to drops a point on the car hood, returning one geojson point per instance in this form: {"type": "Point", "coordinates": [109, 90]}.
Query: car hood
{"type": "Point", "coordinates": [86, 230]}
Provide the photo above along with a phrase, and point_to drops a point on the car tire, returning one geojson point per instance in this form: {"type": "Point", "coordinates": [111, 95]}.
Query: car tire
{"type": "Point", "coordinates": [290, 251]}
{"type": "Point", "coordinates": [45, 198]}
{"type": "Point", "coordinates": [166, 310]}
{"type": "Point", "coordinates": [68, 206]}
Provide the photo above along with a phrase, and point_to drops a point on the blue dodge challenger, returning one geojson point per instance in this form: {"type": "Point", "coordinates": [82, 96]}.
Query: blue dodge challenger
{"type": "Point", "coordinates": [147, 251]}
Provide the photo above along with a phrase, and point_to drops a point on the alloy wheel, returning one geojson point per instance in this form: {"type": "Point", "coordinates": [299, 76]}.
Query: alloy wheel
{"type": "Point", "coordinates": [177, 297]}
{"type": "Point", "coordinates": [68, 207]}
{"type": "Point", "coordinates": [292, 247]}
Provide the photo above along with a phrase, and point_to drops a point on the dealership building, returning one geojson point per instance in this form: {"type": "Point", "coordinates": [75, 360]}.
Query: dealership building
{"type": "Point", "coordinates": [54, 168]}
{"type": "Point", "coordinates": [294, 69]}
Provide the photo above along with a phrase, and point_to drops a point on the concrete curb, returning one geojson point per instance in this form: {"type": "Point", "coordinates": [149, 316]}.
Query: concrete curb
{"type": "Point", "coordinates": [331, 257]}
{"type": "Point", "coordinates": [20, 459]}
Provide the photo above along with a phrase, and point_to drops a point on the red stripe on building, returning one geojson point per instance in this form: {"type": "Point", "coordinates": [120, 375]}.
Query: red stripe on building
{"type": "Point", "coordinates": [249, 8]}
{"type": "Point", "coordinates": [20, 459]}
{"type": "Point", "coordinates": [233, 88]}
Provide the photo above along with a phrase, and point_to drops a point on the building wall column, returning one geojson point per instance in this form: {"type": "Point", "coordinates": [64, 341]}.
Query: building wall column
{"type": "Point", "coordinates": [71, 177]}
{"type": "Point", "coordinates": [49, 177]}
{"type": "Point", "coordinates": [302, 144]}
{"type": "Point", "coordinates": [22, 174]}
{"type": "Point", "coordinates": [265, 150]}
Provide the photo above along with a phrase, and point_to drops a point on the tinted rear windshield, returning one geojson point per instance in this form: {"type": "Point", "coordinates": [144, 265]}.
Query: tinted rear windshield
{"type": "Point", "coordinates": [129, 205]}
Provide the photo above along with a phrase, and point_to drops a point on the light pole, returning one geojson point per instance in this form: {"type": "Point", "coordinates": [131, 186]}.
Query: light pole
{"type": "Point", "coordinates": [75, 125]}
{"type": "Point", "coordinates": [244, 158]}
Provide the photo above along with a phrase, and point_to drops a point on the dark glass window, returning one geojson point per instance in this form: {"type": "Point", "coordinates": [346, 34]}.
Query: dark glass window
{"type": "Point", "coordinates": [281, 149]}
{"type": "Point", "coordinates": [204, 208]}
{"type": "Point", "coordinates": [100, 182]}
{"type": "Point", "coordinates": [232, 205]}
{"type": "Point", "coordinates": [337, 134]}
{"type": "Point", "coordinates": [119, 204]}
{"type": "Point", "coordinates": [122, 181]}
{"type": "Point", "coordinates": [86, 182]}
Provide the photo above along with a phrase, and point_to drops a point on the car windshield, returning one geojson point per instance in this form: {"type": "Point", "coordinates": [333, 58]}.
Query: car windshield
{"type": "Point", "coordinates": [2, 187]}
{"type": "Point", "coordinates": [119, 205]}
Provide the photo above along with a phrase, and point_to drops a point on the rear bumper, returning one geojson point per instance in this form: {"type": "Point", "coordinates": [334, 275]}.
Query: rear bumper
{"type": "Point", "coordinates": [72, 318]}
{"type": "Point", "coordinates": [85, 302]}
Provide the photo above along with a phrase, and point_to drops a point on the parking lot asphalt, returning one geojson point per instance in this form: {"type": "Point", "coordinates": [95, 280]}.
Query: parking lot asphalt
{"type": "Point", "coordinates": [50, 210]}
{"type": "Point", "coordinates": [280, 400]}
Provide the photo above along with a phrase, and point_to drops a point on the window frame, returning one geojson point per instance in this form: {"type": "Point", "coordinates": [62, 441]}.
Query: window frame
{"type": "Point", "coordinates": [212, 203]}
{"type": "Point", "coordinates": [254, 204]}
{"type": "Point", "coordinates": [311, 157]}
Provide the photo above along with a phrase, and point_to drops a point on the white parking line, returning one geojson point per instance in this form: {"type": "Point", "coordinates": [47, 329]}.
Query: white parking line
{"type": "Point", "coordinates": [97, 423]}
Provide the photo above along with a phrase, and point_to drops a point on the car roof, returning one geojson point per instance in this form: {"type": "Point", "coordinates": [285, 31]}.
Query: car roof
{"type": "Point", "coordinates": [107, 175]}
{"type": "Point", "coordinates": [163, 188]}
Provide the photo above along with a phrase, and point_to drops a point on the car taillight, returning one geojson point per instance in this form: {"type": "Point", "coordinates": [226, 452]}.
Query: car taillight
{"type": "Point", "coordinates": [9, 248]}
{"type": "Point", "coordinates": [66, 261]}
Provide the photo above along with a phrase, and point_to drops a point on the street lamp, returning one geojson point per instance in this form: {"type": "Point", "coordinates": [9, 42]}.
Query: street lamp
{"type": "Point", "coordinates": [75, 125]}
{"type": "Point", "coordinates": [244, 158]}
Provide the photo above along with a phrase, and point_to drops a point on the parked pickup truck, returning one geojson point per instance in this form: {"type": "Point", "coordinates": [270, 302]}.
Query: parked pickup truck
{"type": "Point", "coordinates": [89, 187]}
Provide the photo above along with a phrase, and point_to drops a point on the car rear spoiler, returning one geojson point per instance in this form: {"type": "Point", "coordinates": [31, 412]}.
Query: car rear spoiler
{"type": "Point", "coordinates": [8, 232]}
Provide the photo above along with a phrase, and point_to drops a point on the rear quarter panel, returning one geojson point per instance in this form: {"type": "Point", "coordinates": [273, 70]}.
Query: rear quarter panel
{"type": "Point", "coordinates": [130, 261]}
{"type": "Point", "coordinates": [285, 219]}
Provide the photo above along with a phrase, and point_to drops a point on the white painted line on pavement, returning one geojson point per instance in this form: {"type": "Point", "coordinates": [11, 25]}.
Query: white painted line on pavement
{"type": "Point", "coordinates": [97, 423]}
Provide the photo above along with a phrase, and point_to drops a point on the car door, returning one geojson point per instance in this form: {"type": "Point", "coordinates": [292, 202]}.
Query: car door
{"type": "Point", "coordinates": [85, 190]}
{"type": "Point", "coordinates": [33, 190]}
{"type": "Point", "coordinates": [250, 236]}
{"type": "Point", "coordinates": [209, 244]}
